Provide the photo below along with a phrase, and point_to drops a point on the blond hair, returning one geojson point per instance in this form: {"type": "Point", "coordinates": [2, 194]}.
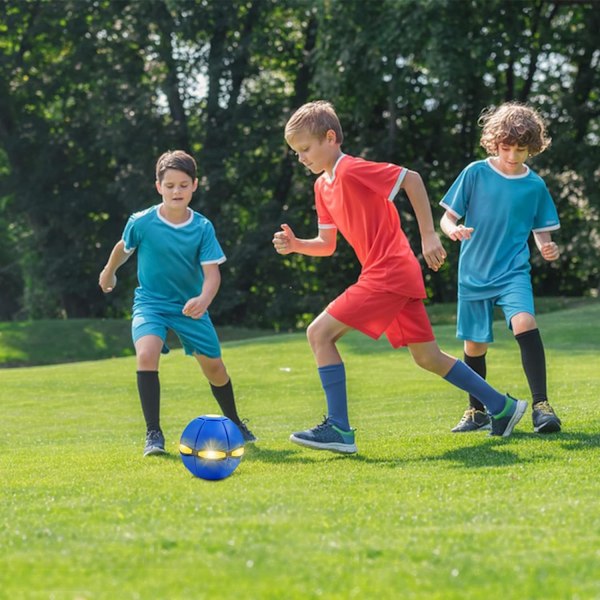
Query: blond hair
{"type": "Point", "coordinates": [317, 118]}
{"type": "Point", "coordinates": [513, 123]}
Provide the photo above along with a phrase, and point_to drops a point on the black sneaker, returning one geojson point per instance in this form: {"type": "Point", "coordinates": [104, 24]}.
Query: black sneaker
{"type": "Point", "coordinates": [326, 436]}
{"type": "Point", "coordinates": [473, 420]}
{"type": "Point", "coordinates": [155, 443]}
{"type": "Point", "coordinates": [504, 425]}
{"type": "Point", "coordinates": [249, 437]}
{"type": "Point", "coordinates": [544, 418]}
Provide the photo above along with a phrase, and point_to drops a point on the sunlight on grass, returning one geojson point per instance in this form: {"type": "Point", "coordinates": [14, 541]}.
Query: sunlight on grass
{"type": "Point", "coordinates": [418, 513]}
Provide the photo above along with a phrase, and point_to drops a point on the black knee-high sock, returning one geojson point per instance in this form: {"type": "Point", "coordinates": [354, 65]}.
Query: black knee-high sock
{"type": "Point", "coordinates": [224, 396]}
{"type": "Point", "coordinates": [477, 363]}
{"type": "Point", "coordinates": [533, 358]}
{"type": "Point", "coordinates": [149, 390]}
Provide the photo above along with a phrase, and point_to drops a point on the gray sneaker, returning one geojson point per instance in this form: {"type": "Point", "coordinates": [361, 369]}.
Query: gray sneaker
{"type": "Point", "coordinates": [544, 418]}
{"type": "Point", "coordinates": [326, 436]}
{"type": "Point", "coordinates": [503, 426]}
{"type": "Point", "coordinates": [249, 437]}
{"type": "Point", "coordinates": [155, 443]}
{"type": "Point", "coordinates": [473, 420]}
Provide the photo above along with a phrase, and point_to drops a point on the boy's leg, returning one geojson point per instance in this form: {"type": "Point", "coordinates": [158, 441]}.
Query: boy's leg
{"type": "Point", "coordinates": [533, 359]}
{"type": "Point", "coordinates": [505, 410]}
{"type": "Point", "coordinates": [322, 334]}
{"type": "Point", "coordinates": [474, 357]}
{"type": "Point", "coordinates": [222, 390]}
{"type": "Point", "coordinates": [335, 433]}
{"type": "Point", "coordinates": [148, 349]}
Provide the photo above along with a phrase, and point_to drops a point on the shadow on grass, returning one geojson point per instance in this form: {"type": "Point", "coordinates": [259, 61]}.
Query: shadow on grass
{"type": "Point", "coordinates": [270, 455]}
{"type": "Point", "coordinates": [492, 452]}
{"type": "Point", "coordinates": [572, 440]}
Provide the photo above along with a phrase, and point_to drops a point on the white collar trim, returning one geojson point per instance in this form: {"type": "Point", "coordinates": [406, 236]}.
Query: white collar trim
{"type": "Point", "coordinates": [337, 162]}
{"type": "Point", "coordinates": [175, 225]}
{"type": "Point", "coordinates": [495, 169]}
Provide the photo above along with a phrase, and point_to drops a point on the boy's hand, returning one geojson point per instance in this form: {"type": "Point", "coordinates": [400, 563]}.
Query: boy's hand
{"type": "Point", "coordinates": [433, 251]}
{"type": "Point", "coordinates": [107, 281]}
{"type": "Point", "coordinates": [460, 232]}
{"type": "Point", "coordinates": [284, 240]}
{"type": "Point", "coordinates": [550, 251]}
{"type": "Point", "coordinates": [195, 307]}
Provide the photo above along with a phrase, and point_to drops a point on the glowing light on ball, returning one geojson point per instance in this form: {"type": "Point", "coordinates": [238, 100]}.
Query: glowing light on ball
{"type": "Point", "coordinates": [211, 447]}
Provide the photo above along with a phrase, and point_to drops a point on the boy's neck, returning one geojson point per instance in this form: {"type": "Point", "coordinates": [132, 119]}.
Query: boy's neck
{"type": "Point", "coordinates": [175, 216]}
{"type": "Point", "coordinates": [334, 159]}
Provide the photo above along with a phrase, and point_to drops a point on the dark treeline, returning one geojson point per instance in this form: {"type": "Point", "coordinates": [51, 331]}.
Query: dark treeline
{"type": "Point", "coordinates": [92, 91]}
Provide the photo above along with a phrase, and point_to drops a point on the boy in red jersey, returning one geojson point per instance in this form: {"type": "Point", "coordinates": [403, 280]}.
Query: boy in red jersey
{"type": "Point", "coordinates": [355, 196]}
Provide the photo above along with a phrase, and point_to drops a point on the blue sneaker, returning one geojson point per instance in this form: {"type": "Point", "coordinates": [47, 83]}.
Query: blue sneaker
{"type": "Point", "coordinates": [326, 436]}
{"type": "Point", "coordinates": [155, 443]}
{"type": "Point", "coordinates": [503, 425]}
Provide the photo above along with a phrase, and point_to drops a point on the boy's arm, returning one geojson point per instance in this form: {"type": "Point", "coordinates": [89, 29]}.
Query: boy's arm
{"type": "Point", "coordinates": [324, 244]}
{"type": "Point", "coordinates": [118, 256]}
{"type": "Point", "coordinates": [455, 232]}
{"type": "Point", "coordinates": [433, 251]}
{"type": "Point", "coordinates": [548, 248]}
{"type": "Point", "coordinates": [196, 307]}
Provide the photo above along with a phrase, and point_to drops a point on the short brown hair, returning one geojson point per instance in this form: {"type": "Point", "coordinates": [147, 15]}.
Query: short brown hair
{"type": "Point", "coordinates": [513, 123]}
{"type": "Point", "coordinates": [178, 160]}
{"type": "Point", "coordinates": [317, 118]}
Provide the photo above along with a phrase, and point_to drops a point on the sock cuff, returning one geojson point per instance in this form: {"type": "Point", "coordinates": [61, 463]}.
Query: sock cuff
{"type": "Point", "coordinates": [219, 387]}
{"type": "Point", "coordinates": [525, 334]}
{"type": "Point", "coordinates": [331, 374]}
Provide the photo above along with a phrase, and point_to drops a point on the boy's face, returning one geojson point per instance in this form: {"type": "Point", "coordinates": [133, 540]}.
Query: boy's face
{"type": "Point", "coordinates": [176, 189]}
{"type": "Point", "coordinates": [315, 154]}
{"type": "Point", "coordinates": [511, 158]}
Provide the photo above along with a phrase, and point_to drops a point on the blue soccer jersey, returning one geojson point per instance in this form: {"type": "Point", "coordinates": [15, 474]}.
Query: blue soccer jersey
{"type": "Point", "coordinates": [170, 257]}
{"type": "Point", "coordinates": [503, 210]}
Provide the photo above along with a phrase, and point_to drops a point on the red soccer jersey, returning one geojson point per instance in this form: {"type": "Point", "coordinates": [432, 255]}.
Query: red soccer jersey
{"type": "Point", "coordinates": [358, 201]}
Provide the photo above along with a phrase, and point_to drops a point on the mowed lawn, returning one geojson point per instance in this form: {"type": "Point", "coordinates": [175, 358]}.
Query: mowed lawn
{"type": "Point", "coordinates": [418, 513]}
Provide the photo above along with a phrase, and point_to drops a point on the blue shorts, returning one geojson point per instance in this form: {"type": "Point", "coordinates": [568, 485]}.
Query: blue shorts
{"type": "Point", "coordinates": [197, 336]}
{"type": "Point", "coordinates": [475, 318]}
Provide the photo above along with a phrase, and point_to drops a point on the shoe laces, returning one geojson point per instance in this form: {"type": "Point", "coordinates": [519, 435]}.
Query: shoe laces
{"type": "Point", "coordinates": [469, 415]}
{"type": "Point", "coordinates": [544, 407]}
{"type": "Point", "coordinates": [153, 435]}
{"type": "Point", "coordinates": [323, 425]}
{"type": "Point", "coordinates": [243, 425]}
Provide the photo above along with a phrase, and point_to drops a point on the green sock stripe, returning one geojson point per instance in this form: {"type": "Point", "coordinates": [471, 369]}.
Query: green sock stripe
{"type": "Point", "coordinates": [341, 431]}
{"type": "Point", "coordinates": [507, 406]}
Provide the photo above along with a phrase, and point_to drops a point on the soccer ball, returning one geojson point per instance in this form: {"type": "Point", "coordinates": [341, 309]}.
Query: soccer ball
{"type": "Point", "coordinates": [211, 447]}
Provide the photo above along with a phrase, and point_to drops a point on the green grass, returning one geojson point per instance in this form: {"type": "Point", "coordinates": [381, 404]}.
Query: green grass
{"type": "Point", "coordinates": [49, 342]}
{"type": "Point", "coordinates": [418, 513]}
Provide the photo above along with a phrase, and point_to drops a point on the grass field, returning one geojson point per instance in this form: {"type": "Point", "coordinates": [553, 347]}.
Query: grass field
{"type": "Point", "coordinates": [418, 513]}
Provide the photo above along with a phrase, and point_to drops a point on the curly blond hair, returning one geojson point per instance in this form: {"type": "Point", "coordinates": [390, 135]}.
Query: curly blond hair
{"type": "Point", "coordinates": [317, 118]}
{"type": "Point", "coordinates": [513, 123]}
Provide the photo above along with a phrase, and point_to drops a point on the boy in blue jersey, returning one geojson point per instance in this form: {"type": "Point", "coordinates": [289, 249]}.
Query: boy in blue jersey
{"type": "Point", "coordinates": [178, 274]}
{"type": "Point", "coordinates": [502, 201]}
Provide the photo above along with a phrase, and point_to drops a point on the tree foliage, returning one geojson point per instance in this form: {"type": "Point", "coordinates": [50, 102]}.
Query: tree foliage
{"type": "Point", "coordinates": [92, 91]}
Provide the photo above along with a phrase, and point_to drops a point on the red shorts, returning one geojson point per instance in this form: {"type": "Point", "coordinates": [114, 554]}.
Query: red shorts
{"type": "Point", "coordinates": [403, 320]}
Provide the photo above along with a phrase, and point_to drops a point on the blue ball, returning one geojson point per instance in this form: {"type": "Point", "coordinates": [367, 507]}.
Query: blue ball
{"type": "Point", "coordinates": [211, 447]}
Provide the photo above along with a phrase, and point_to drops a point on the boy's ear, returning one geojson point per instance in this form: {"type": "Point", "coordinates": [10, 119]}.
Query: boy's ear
{"type": "Point", "coordinates": [158, 187]}
{"type": "Point", "coordinates": [195, 185]}
{"type": "Point", "coordinates": [331, 136]}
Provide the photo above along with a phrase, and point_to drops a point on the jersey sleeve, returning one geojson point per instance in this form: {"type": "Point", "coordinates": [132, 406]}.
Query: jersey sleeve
{"type": "Point", "coordinates": [131, 234]}
{"type": "Point", "coordinates": [457, 197]}
{"type": "Point", "coordinates": [324, 219]}
{"type": "Point", "coordinates": [546, 216]}
{"type": "Point", "coordinates": [384, 179]}
{"type": "Point", "coordinates": [210, 249]}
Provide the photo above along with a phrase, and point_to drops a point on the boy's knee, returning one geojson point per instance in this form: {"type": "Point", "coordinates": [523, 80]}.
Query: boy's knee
{"type": "Point", "coordinates": [313, 334]}
{"type": "Point", "coordinates": [523, 322]}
